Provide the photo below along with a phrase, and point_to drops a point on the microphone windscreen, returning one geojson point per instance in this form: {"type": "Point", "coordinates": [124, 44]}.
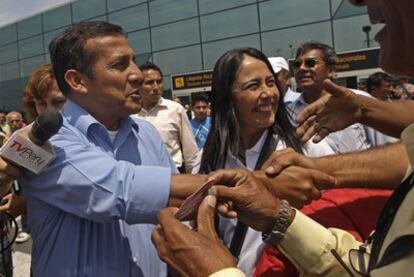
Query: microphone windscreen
{"type": "Point", "coordinates": [45, 126]}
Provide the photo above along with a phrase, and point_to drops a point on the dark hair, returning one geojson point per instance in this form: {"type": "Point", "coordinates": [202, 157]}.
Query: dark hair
{"type": "Point", "coordinates": [67, 50]}
{"type": "Point", "coordinates": [148, 66]}
{"type": "Point", "coordinates": [328, 53]}
{"type": "Point", "coordinates": [374, 80]}
{"type": "Point", "coordinates": [224, 135]}
{"type": "Point", "coordinates": [197, 97]}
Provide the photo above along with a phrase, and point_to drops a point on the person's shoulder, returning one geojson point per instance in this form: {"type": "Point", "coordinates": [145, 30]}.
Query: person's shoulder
{"type": "Point", "coordinates": [172, 104]}
{"type": "Point", "coordinates": [142, 123]}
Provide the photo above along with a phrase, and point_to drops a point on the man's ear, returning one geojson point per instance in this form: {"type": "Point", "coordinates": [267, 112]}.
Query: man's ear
{"type": "Point", "coordinates": [76, 81]}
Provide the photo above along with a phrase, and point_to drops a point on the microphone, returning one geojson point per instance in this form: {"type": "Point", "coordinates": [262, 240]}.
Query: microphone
{"type": "Point", "coordinates": [45, 126]}
{"type": "Point", "coordinates": [27, 147]}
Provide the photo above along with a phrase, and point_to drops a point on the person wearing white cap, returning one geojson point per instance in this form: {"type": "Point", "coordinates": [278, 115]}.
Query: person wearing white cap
{"type": "Point", "coordinates": [282, 73]}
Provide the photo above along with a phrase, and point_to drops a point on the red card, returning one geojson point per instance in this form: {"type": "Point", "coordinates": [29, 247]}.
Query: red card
{"type": "Point", "coordinates": [190, 205]}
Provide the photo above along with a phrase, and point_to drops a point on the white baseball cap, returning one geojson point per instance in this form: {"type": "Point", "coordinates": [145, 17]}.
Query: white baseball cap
{"type": "Point", "coordinates": [278, 63]}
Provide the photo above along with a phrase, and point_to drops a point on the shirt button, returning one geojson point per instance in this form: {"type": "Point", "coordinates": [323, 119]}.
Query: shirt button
{"type": "Point", "coordinates": [135, 259]}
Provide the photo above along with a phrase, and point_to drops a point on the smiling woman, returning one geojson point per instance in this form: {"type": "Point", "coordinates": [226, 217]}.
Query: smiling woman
{"type": "Point", "coordinates": [245, 104]}
{"type": "Point", "coordinates": [249, 122]}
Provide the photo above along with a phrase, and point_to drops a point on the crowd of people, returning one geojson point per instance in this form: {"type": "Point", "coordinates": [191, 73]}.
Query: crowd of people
{"type": "Point", "coordinates": [301, 178]}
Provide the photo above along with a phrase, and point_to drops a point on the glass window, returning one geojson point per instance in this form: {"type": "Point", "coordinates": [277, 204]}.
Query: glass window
{"type": "Point", "coordinates": [8, 53]}
{"type": "Point", "coordinates": [8, 34]}
{"type": "Point", "coordinates": [86, 9]}
{"type": "Point", "coordinates": [57, 18]}
{"type": "Point", "coordinates": [131, 19]}
{"type": "Point", "coordinates": [140, 41]}
{"type": "Point", "coordinates": [31, 47]}
{"type": "Point", "coordinates": [213, 50]}
{"type": "Point", "coordinates": [175, 34]}
{"type": "Point", "coordinates": [29, 27]}
{"type": "Point", "coordinates": [141, 59]}
{"type": "Point", "coordinates": [335, 4]}
{"type": "Point", "coordinates": [114, 5]}
{"type": "Point", "coordinates": [164, 11]}
{"type": "Point", "coordinates": [9, 71]}
{"type": "Point", "coordinates": [208, 6]}
{"type": "Point", "coordinates": [99, 18]}
{"type": "Point", "coordinates": [229, 23]}
{"type": "Point", "coordinates": [49, 36]}
{"type": "Point", "coordinates": [279, 14]}
{"type": "Point", "coordinates": [284, 42]}
{"type": "Point", "coordinates": [11, 94]}
{"type": "Point", "coordinates": [166, 80]}
{"type": "Point", "coordinates": [27, 66]}
{"type": "Point", "coordinates": [357, 39]}
{"type": "Point", "coordinates": [187, 59]}
{"type": "Point", "coordinates": [346, 9]}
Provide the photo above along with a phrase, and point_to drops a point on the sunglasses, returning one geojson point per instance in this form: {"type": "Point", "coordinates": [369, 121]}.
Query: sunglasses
{"type": "Point", "coordinates": [310, 63]}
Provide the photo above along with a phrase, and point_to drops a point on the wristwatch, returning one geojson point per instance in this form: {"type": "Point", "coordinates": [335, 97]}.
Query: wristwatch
{"type": "Point", "coordinates": [281, 225]}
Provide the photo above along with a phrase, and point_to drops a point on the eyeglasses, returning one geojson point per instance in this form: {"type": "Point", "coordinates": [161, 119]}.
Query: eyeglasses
{"type": "Point", "coordinates": [310, 62]}
{"type": "Point", "coordinates": [358, 259]}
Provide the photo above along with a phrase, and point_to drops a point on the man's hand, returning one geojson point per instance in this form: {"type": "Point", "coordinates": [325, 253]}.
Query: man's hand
{"type": "Point", "coordinates": [332, 112]}
{"type": "Point", "coordinates": [282, 159]}
{"type": "Point", "coordinates": [14, 205]}
{"type": "Point", "coordinates": [187, 252]}
{"type": "Point", "coordinates": [8, 173]}
{"type": "Point", "coordinates": [250, 201]}
{"type": "Point", "coordinates": [294, 177]}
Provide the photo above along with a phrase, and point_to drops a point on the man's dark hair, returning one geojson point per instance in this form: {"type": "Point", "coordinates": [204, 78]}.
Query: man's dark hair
{"type": "Point", "coordinates": [328, 53]}
{"type": "Point", "coordinates": [374, 80]}
{"type": "Point", "coordinates": [67, 50]}
{"type": "Point", "coordinates": [148, 66]}
{"type": "Point", "coordinates": [197, 97]}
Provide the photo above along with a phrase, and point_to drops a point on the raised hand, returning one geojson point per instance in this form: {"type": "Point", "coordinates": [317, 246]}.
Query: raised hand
{"type": "Point", "coordinates": [332, 112]}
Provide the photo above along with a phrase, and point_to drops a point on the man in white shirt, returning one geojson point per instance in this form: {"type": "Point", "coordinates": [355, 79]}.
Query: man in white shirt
{"type": "Point", "coordinates": [169, 118]}
{"type": "Point", "coordinates": [314, 63]}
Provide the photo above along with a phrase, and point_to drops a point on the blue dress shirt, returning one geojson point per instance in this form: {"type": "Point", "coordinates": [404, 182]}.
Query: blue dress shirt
{"type": "Point", "coordinates": [200, 130]}
{"type": "Point", "coordinates": [84, 209]}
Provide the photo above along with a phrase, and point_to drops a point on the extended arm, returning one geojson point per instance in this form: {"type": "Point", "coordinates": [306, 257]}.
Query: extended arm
{"type": "Point", "coordinates": [381, 167]}
{"type": "Point", "coordinates": [341, 108]}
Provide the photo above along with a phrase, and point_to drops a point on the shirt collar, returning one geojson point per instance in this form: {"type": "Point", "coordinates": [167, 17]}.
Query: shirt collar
{"type": "Point", "coordinates": [161, 103]}
{"type": "Point", "coordinates": [82, 120]}
{"type": "Point", "coordinates": [252, 154]}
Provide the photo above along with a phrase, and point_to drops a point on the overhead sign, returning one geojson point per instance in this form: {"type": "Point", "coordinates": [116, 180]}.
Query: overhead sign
{"type": "Point", "coordinates": [192, 82]}
{"type": "Point", "coordinates": [357, 60]}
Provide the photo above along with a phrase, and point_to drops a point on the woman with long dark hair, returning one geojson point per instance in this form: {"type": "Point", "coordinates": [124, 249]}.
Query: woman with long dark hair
{"type": "Point", "coordinates": [249, 121]}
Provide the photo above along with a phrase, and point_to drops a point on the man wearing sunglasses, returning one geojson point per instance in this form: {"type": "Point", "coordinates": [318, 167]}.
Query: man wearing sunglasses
{"type": "Point", "coordinates": [314, 63]}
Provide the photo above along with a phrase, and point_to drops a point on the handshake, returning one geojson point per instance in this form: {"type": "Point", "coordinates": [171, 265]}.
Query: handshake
{"type": "Point", "coordinates": [255, 198]}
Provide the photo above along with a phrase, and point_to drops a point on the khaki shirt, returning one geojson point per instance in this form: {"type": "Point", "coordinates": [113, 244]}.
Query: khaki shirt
{"type": "Point", "coordinates": [171, 121]}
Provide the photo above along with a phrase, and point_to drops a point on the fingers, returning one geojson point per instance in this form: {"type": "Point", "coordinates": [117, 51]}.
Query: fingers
{"type": "Point", "coordinates": [226, 194]}
{"type": "Point", "coordinates": [321, 134]}
{"type": "Point", "coordinates": [228, 177]}
{"type": "Point", "coordinates": [9, 169]}
{"type": "Point", "coordinates": [309, 111]}
{"type": "Point", "coordinates": [307, 130]}
{"type": "Point", "coordinates": [167, 220]}
{"type": "Point", "coordinates": [270, 166]}
{"type": "Point", "coordinates": [205, 217]}
{"type": "Point", "coordinates": [334, 89]}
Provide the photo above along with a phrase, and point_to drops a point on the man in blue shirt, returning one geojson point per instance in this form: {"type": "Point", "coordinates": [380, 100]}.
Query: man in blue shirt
{"type": "Point", "coordinates": [111, 172]}
{"type": "Point", "coordinates": [201, 122]}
